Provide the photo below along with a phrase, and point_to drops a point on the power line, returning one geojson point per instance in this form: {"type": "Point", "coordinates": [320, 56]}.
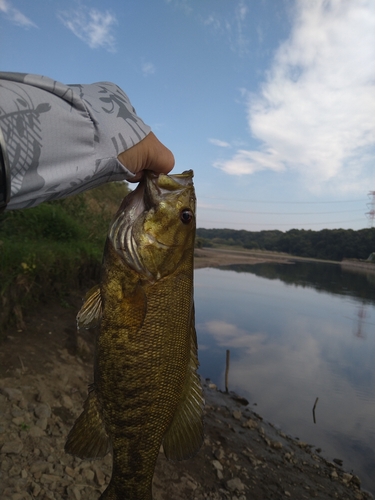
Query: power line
{"type": "Point", "coordinates": [281, 224]}
{"type": "Point", "coordinates": [279, 202]}
{"type": "Point", "coordinates": [276, 213]}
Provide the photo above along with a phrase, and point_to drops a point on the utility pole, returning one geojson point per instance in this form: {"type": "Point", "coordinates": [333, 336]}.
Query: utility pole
{"type": "Point", "coordinates": [371, 206]}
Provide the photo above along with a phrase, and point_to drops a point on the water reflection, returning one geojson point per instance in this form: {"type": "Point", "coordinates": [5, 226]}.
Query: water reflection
{"type": "Point", "coordinates": [331, 278]}
{"type": "Point", "coordinates": [292, 344]}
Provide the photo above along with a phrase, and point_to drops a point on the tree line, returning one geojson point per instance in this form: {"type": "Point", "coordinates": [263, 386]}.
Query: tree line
{"type": "Point", "coordinates": [329, 244]}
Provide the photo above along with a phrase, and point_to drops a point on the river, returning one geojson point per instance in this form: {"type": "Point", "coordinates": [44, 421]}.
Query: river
{"type": "Point", "coordinates": [297, 332]}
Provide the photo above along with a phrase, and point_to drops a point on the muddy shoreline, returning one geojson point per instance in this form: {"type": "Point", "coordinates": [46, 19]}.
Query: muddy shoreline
{"type": "Point", "coordinates": [45, 370]}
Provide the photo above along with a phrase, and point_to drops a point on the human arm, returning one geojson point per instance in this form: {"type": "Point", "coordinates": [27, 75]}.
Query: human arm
{"type": "Point", "coordinates": [64, 139]}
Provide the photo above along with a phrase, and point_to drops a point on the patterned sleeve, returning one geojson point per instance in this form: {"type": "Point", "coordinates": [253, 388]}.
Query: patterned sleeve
{"type": "Point", "coordinates": [63, 139]}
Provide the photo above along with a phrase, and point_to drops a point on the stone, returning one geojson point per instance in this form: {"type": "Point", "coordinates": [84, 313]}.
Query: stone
{"type": "Point", "coordinates": [67, 401]}
{"type": "Point", "coordinates": [251, 424]}
{"type": "Point", "coordinates": [277, 445]}
{"type": "Point", "coordinates": [99, 476]}
{"type": "Point", "coordinates": [237, 414]}
{"type": "Point", "coordinates": [42, 410]}
{"type": "Point", "coordinates": [235, 484]}
{"type": "Point", "coordinates": [15, 470]}
{"type": "Point", "coordinates": [217, 465]}
{"type": "Point", "coordinates": [346, 477]}
{"type": "Point", "coordinates": [88, 475]}
{"type": "Point", "coordinates": [12, 394]}
{"type": "Point", "coordinates": [334, 475]}
{"type": "Point", "coordinates": [42, 423]}
{"type": "Point", "coordinates": [219, 454]}
{"type": "Point", "coordinates": [12, 447]}
{"type": "Point", "coordinates": [36, 432]}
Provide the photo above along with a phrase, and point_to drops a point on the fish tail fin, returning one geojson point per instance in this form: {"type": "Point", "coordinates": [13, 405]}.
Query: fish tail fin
{"type": "Point", "coordinates": [88, 438]}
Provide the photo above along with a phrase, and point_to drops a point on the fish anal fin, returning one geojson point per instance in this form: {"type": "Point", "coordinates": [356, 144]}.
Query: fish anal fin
{"type": "Point", "coordinates": [88, 438]}
{"type": "Point", "coordinates": [184, 437]}
{"type": "Point", "coordinates": [90, 313]}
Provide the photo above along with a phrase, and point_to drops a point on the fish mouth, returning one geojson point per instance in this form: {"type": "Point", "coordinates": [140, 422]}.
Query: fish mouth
{"type": "Point", "coordinates": [147, 195]}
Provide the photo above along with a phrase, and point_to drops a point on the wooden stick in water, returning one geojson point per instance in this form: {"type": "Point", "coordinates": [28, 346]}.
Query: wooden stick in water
{"type": "Point", "coordinates": [316, 401]}
{"type": "Point", "coordinates": [227, 370]}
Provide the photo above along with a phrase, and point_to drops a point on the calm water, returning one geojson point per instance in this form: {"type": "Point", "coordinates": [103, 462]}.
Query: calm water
{"type": "Point", "coordinates": [297, 332]}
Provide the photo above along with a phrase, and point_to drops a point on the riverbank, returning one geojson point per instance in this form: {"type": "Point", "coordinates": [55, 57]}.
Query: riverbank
{"type": "Point", "coordinates": [214, 257]}
{"type": "Point", "coordinates": [45, 369]}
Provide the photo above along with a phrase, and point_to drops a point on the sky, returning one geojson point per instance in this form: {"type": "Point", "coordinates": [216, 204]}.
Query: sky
{"type": "Point", "coordinates": [270, 102]}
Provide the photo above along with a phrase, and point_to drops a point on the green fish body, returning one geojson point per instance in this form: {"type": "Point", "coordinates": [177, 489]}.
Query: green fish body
{"type": "Point", "coordinates": [146, 390]}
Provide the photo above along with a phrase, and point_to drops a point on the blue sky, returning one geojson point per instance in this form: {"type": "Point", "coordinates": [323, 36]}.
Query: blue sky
{"type": "Point", "coordinates": [271, 102]}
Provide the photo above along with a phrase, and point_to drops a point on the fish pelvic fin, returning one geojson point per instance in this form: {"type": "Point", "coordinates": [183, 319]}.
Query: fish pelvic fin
{"type": "Point", "coordinates": [88, 438]}
{"type": "Point", "coordinates": [90, 313]}
{"type": "Point", "coordinates": [184, 437]}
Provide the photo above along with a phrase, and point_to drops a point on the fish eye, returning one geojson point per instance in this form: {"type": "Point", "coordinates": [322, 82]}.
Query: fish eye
{"type": "Point", "coordinates": [186, 216]}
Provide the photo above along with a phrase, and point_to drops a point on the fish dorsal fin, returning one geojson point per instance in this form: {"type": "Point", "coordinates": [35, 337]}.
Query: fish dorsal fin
{"type": "Point", "coordinates": [88, 438]}
{"type": "Point", "coordinates": [90, 313]}
{"type": "Point", "coordinates": [185, 434]}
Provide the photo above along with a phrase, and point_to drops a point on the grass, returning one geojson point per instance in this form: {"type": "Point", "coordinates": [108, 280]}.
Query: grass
{"type": "Point", "coordinates": [53, 248]}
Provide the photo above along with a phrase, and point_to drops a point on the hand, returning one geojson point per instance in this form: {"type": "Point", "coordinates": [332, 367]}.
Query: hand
{"type": "Point", "coordinates": [149, 154]}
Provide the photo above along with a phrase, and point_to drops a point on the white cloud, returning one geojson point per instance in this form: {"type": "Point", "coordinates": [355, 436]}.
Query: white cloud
{"type": "Point", "coordinates": [148, 69]}
{"type": "Point", "coordinates": [229, 335]}
{"type": "Point", "coordinates": [315, 112]}
{"type": "Point", "coordinates": [91, 26]}
{"type": "Point", "coordinates": [231, 25]}
{"type": "Point", "coordinates": [15, 16]}
{"type": "Point", "coordinates": [218, 142]}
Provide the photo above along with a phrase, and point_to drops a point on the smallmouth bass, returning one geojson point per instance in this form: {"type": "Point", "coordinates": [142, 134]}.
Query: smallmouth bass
{"type": "Point", "coordinates": [146, 390]}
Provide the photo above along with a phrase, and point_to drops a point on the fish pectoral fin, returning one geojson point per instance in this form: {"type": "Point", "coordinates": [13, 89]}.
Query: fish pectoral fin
{"type": "Point", "coordinates": [90, 313]}
{"type": "Point", "coordinates": [185, 434]}
{"type": "Point", "coordinates": [88, 438]}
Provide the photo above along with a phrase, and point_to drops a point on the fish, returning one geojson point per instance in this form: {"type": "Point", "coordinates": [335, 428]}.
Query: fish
{"type": "Point", "coordinates": [146, 390]}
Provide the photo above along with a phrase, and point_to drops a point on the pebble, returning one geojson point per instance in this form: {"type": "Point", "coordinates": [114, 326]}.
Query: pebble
{"type": "Point", "coordinates": [217, 465]}
{"type": "Point", "coordinates": [235, 484]}
{"type": "Point", "coordinates": [12, 447]}
{"type": "Point", "coordinates": [237, 414]}
{"type": "Point", "coordinates": [12, 394]}
{"type": "Point", "coordinates": [42, 410]}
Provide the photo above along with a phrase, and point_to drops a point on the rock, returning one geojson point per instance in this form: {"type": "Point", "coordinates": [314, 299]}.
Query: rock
{"type": "Point", "coordinates": [39, 467]}
{"type": "Point", "coordinates": [237, 414]}
{"type": "Point", "coordinates": [219, 454]}
{"type": "Point", "coordinates": [334, 475]}
{"type": "Point", "coordinates": [217, 465]}
{"type": "Point", "coordinates": [277, 445]}
{"type": "Point", "coordinates": [15, 470]}
{"type": "Point", "coordinates": [338, 461]}
{"type": "Point", "coordinates": [356, 481]}
{"type": "Point", "coordinates": [99, 476]}
{"type": "Point", "coordinates": [235, 484]}
{"type": "Point", "coordinates": [346, 477]}
{"type": "Point", "coordinates": [36, 432]}
{"type": "Point", "coordinates": [67, 401]}
{"type": "Point", "coordinates": [12, 394]}
{"type": "Point", "coordinates": [251, 424]}
{"type": "Point", "coordinates": [88, 475]}
{"type": "Point", "coordinates": [12, 447]}
{"type": "Point", "coordinates": [239, 399]}
{"type": "Point", "coordinates": [42, 410]}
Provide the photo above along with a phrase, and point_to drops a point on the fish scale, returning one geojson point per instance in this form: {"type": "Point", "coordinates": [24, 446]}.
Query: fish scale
{"type": "Point", "coordinates": [146, 389]}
